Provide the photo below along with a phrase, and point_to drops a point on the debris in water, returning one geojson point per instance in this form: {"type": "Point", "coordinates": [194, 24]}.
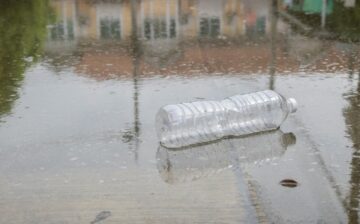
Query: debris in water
{"type": "Point", "coordinates": [289, 183]}
{"type": "Point", "coordinates": [101, 216]}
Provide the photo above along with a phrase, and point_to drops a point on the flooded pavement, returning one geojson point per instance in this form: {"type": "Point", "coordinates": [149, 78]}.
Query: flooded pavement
{"type": "Point", "coordinates": [81, 82]}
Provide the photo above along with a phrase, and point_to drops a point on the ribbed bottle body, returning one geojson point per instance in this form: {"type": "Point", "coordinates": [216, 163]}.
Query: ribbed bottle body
{"type": "Point", "coordinates": [255, 112]}
{"type": "Point", "coordinates": [203, 121]}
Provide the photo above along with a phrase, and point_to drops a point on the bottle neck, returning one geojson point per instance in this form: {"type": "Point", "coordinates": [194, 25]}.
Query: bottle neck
{"type": "Point", "coordinates": [292, 105]}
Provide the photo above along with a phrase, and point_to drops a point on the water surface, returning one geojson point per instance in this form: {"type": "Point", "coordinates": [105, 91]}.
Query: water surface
{"type": "Point", "coordinates": [81, 82]}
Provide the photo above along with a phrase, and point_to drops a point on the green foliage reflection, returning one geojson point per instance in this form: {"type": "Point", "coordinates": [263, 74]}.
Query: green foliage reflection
{"type": "Point", "coordinates": [22, 33]}
{"type": "Point", "coordinates": [342, 22]}
{"type": "Point", "coordinates": [345, 21]}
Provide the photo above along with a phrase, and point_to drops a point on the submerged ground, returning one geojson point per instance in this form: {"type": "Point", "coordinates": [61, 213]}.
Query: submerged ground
{"type": "Point", "coordinates": [81, 81]}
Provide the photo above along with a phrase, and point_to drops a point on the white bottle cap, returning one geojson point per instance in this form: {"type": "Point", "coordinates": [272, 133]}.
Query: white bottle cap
{"type": "Point", "coordinates": [292, 105]}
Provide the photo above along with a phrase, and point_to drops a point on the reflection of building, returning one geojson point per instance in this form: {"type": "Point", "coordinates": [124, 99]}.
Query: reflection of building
{"type": "Point", "coordinates": [168, 33]}
{"type": "Point", "coordinates": [161, 25]}
{"type": "Point", "coordinates": [156, 19]}
{"type": "Point", "coordinates": [109, 19]}
{"type": "Point", "coordinates": [159, 19]}
{"type": "Point", "coordinates": [312, 6]}
{"type": "Point", "coordinates": [66, 23]}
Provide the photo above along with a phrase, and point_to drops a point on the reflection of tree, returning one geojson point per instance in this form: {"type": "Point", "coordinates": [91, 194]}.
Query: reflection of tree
{"type": "Point", "coordinates": [136, 55]}
{"type": "Point", "coordinates": [345, 21]}
{"type": "Point", "coordinates": [352, 119]}
{"type": "Point", "coordinates": [22, 33]}
{"type": "Point", "coordinates": [274, 21]}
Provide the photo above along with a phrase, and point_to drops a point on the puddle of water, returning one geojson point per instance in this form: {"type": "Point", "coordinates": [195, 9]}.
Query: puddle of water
{"type": "Point", "coordinates": [81, 81]}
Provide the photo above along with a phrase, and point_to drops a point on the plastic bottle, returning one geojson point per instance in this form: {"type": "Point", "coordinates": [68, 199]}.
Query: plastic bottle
{"type": "Point", "coordinates": [203, 160]}
{"type": "Point", "coordinates": [203, 121]}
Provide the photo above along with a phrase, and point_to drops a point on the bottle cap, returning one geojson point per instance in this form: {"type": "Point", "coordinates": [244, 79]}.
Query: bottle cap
{"type": "Point", "coordinates": [292, 105]}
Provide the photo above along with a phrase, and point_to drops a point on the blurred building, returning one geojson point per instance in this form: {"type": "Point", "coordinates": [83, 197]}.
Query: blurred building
{"type": "Point", "coordinates": [156, 18]}
{"type": "Point", "coordinates": [178, 36]}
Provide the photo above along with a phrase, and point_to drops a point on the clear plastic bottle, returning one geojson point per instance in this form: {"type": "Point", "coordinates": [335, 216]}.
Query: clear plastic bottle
{"type": "Point", "coordinates": [185, 124]}
{"type": "Point", "coordinates": [203, 160]}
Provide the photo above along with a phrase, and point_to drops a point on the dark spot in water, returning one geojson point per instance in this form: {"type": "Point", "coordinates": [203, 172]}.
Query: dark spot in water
{"type": "Point", "coordinates": [101, 216]}
{"type": "Point", "coordinates": [127, 136]}
{"type": "Point", "coordinates": [289, 183]}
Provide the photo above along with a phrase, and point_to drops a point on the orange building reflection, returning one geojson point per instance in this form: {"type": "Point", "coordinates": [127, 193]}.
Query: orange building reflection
{"type": "Point", "coordinates": [183, 37]}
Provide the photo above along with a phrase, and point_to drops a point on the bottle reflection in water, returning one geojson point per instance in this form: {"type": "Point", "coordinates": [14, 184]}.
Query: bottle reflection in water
{"type": "Point", "coordinates": [191, 163]}
{"type": "Point", "coordinates": [190, 123]}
